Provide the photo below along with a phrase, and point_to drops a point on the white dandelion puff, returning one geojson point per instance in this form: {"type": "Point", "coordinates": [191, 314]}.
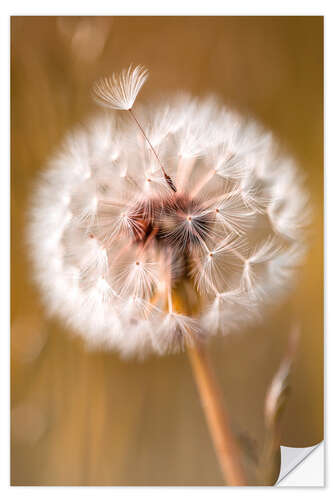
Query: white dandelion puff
{"type": "Point", "coordinates": [284, 265]}
{"type": "Point", "coordinates": [114, 222]}
{"type": "Point", "coordinates": [120, 90]}
{"type": "Point", "coordinates": [93, 258]}
{"type": "Point", "coordinates": [196, 200]}
{"type": "Point", "coordinates": [229, 164]}
{"type": "Point", "coordinates": [137, 279]}
{"type": "Point", "coordinates": [174, 332]}
{"type": "Point", "coordinates": [84, 207]}
{"type": "Point", "coordinates": [290, 219]}
{"type": "Point", "coordinates": [227, 310]}
{"type": "Point", "coordinates": [233, 214]}
{"type": "Point", "coordinates": [253, 279]}
{"type": "Point", "coordinates": [184, 223]}
{"type": "Point", "coordinates": [211, 269]}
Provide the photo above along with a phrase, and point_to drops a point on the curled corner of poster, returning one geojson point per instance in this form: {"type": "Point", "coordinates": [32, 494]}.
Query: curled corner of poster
{"type": "Point", "coordinates": [302, 466]}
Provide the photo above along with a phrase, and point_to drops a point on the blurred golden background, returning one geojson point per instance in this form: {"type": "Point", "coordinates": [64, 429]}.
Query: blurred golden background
{"type": "Point", "coordinates": [88, 418]}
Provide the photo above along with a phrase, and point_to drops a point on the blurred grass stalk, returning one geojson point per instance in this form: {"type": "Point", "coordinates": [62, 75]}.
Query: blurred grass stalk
{"type": "Point", "coordinates": [276, 400]}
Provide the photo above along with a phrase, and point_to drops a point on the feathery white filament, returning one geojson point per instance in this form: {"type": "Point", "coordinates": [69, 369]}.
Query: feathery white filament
{"type": "Point", "coordinates": [137, 279]}
{"type": "Point", "coordinates": [233, 214]}
{"type": "Point", "coordinates": [120, 91]}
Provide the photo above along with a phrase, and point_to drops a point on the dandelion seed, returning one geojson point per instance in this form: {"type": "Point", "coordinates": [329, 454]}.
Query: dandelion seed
{"type": "Point", "coordinates": [233, 214]}
{"type": "Point", "coordinates": [174, 331]}
{"type": "Point", "coordinates": [211, 269]}
{"type": "Point", "coordinates": [228, 310]}
{"type": "Point", "coordinates": [137, 279]}
{"type": "Point", "coordinates": [120, 91]}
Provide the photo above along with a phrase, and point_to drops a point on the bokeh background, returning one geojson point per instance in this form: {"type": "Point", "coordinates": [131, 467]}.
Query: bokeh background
{"type": "Point", "coordinates": [88, 418]}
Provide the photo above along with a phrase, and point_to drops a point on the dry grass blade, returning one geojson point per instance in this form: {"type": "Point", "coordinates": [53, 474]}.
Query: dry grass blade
{"type": "Point", "coordinates": [276, 399]}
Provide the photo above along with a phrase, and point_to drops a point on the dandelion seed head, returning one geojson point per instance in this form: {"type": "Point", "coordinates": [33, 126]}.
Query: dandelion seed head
{"type": "Point", "coordinates": [120, 219]}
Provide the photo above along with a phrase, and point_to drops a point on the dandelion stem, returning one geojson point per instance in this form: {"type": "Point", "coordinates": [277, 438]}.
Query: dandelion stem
{"type": "Point", "coordinates": [166, 176]}
{"type": "Point", "coordinates": [226, 447]}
